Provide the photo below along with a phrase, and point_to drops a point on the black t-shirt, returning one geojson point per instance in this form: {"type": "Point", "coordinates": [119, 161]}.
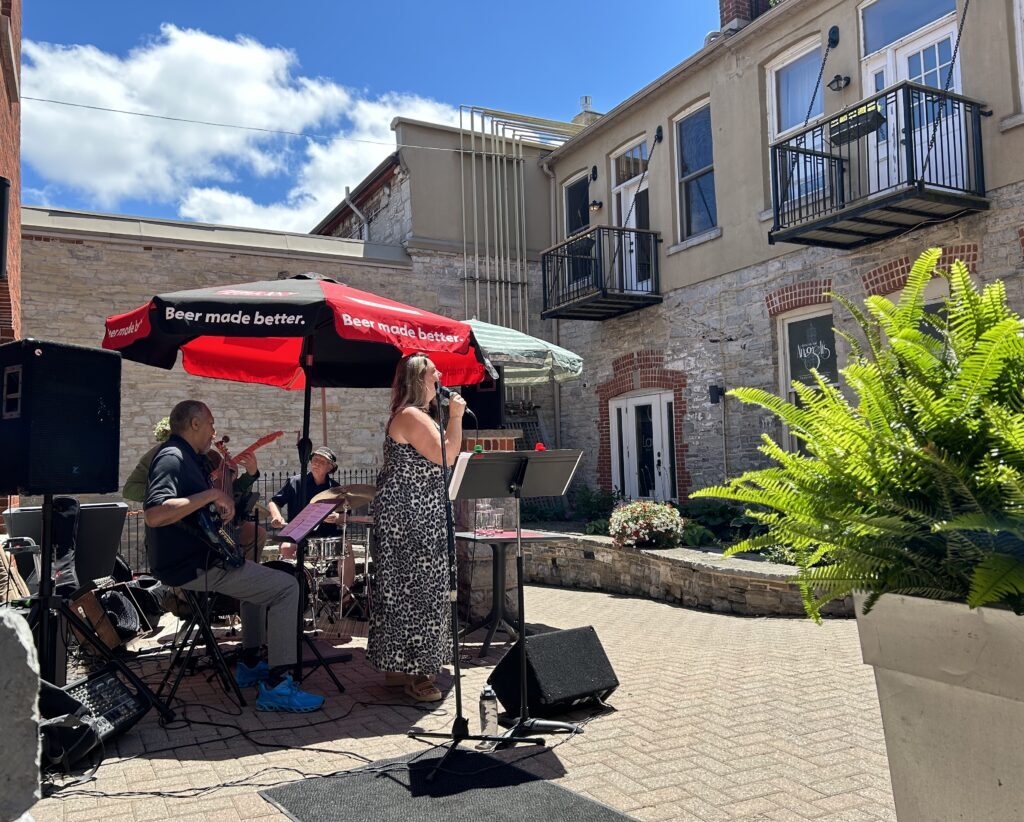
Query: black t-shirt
{"type": "Point", "coordinates": [288, 497]}
{"type": "Point", "coordinates": [177, 554]}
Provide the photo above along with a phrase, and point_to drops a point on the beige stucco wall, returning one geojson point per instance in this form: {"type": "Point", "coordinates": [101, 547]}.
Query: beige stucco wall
{"type": "Point", "coordinates": [730, 74]}
{"type": "Point", "coordinates": [438, 175]}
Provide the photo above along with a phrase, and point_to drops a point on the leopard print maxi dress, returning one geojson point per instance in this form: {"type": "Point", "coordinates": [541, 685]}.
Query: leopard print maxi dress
{"type": "Point", "coordinates": [410, 625]}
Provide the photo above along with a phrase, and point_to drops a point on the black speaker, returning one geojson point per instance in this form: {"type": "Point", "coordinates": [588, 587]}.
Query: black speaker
{"type": "Point", "coordinates": [60, 418]}
{"type": "Point", "coordinates": [563, 669]}
{"type": "Point", "coordinates": [487, 399]}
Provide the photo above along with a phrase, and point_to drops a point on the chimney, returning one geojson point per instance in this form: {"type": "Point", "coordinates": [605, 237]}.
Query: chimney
{"type": "Point", "coordinates": [735, 14]}
{"type": "Point", "coordinates": [587, 114]}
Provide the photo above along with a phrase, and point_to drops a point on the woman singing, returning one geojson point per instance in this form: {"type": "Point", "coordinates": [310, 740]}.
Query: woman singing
{"type": "Point", "coordinates": [410, 635]}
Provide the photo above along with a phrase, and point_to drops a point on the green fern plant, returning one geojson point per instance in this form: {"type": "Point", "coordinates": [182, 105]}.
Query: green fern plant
{"type": "Point", "coordinates": [915, 485]}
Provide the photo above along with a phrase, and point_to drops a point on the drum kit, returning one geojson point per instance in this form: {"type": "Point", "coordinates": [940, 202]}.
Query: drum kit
{"type": "Point", "coordinates": [330, 567]}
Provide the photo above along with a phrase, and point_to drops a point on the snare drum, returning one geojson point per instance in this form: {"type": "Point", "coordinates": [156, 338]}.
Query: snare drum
{"type": "Point", "coordinates": [325, 548]}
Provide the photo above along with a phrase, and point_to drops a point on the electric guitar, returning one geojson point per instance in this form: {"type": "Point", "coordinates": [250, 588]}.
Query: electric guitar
{"type": "Point", "coordinates": [221, 537]}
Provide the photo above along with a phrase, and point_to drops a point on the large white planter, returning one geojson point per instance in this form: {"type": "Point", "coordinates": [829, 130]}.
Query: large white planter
{"type": "Point", "coordinates": [951, 688]}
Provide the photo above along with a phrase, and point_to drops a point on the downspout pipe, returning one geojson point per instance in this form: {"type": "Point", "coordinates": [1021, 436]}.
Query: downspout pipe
{"type": "Point", "coordinates": [366, 223]}
{"type": "Point", "coordinates": [555, 386]}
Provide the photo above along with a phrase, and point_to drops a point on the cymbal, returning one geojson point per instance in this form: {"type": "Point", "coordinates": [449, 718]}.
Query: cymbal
{"type": "Point", "coordinates": [356, 495]}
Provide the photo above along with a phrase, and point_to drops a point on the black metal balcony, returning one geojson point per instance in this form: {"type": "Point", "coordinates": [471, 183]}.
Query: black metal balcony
{"type": "Point", "coordinates": [908, 155]}
{"type": "Point", "coordinates": [600, 273]}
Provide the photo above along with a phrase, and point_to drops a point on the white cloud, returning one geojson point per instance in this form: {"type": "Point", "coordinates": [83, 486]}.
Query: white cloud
{"type": "Point", "coordinates": [203, 170]}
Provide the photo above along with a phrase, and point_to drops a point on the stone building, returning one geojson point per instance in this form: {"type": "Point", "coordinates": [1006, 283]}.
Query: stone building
{"type": "Point", "coordinates": [730, 195]}
{"type": "Point", "coordinates": [82, 267]}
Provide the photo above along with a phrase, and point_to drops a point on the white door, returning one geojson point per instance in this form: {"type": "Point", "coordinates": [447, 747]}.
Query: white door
{"type": "Point", "coordinates": [632, 265]}
{"type": "Point", "coordinates": [643, 446]}
{"type": "Point", "coordinates": [927, 61]}
{"type": "Point", "coordinates": [923, 57]}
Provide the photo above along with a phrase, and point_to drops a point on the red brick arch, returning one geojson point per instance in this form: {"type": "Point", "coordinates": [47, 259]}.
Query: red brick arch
{"type": "Point", "coordinates": [797, 295]}
{"type": "Point", "coordinates": [633, 372]}
{"type": "Point", "coordinates": [892, 276]}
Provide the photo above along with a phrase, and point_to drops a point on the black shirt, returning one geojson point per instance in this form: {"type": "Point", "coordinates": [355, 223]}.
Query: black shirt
{"type": "Point", "coordinates": [288, 496]}
{"type": "Point", "coordinates": [177, 554]}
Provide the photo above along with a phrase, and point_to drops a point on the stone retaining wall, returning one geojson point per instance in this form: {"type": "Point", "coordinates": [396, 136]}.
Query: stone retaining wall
{"type": "Point", "coordinates": [681, 575]}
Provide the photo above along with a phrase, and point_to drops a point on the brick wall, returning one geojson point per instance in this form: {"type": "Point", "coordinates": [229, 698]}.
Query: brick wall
{"type": "Point", "coordinates": [745, 10]}
{"type": "Point", "coordinates": [10, 152]}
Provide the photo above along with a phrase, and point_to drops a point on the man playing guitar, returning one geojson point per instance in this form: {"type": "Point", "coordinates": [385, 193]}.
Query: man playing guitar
{"type": "Point", "coordinates": [181, 555]}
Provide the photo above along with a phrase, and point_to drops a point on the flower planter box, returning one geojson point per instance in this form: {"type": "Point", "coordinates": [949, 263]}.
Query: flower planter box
{"type": "Point", "coordinates": [951, 690]}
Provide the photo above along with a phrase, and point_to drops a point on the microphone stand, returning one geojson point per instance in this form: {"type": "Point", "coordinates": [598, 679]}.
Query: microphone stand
{"type": "Point", "coordinates": [460, 726]}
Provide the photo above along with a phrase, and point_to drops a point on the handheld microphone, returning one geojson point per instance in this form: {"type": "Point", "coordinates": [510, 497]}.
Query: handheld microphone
{"type": "Point", "coordinates": [445, 394]}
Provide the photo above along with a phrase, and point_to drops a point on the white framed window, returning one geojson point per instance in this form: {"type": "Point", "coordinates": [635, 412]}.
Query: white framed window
{"type": "Point", "coordinates": [791, 86]}
{"type": "Point", "coordinates": [791, 81]}
{"type": "Point", "coordinates": [806, 341]}
{"type": "Point", "coordinates": [576, 202]}
{"type": "Point", "coordinates": [696, 200]}
{"type": "Point", "coordinates": [642, 429]}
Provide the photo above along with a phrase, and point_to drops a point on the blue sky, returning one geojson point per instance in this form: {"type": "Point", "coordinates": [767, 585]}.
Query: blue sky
{"type": "Point", "coordinates": [335, 69]}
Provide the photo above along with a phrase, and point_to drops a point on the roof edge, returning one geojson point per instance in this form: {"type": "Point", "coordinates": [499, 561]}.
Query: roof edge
{"type": "Point", "coordinates": [42, 220]}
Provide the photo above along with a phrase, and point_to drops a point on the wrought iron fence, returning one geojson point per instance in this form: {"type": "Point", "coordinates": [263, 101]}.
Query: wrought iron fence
{"type": "Point", "coordinates": [908, 135]}
{"type": "Point", "coordinates": [133, 535]}
{"type": "Point", "coordinates": [604, 259]}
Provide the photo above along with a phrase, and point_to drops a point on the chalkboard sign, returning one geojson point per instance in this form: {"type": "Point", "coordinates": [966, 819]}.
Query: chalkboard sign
{"type": "Point", "coordinates": [812, 344]}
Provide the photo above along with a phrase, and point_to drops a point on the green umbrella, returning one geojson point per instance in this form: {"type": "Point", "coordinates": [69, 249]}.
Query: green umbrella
{"type": "Point", "coordinates": [526, 360]}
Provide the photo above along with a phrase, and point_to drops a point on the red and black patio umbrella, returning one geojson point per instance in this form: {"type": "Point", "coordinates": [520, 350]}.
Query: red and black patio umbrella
{"type": "Point", "coordinates": [295, 333]}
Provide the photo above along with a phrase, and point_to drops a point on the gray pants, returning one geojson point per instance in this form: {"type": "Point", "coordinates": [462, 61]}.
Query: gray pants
{"type": "Point", "coordinates": [269, 606]}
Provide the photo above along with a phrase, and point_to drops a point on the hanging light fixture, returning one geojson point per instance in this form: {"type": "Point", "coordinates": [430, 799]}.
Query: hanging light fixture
{"type": "Point", "coordinates": [595, 206]}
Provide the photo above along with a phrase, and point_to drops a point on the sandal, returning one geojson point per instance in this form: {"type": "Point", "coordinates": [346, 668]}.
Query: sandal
{"type": "Point", "coordinates": [422, 690]}
{"type": "Point", "coordinates": [393, 679]}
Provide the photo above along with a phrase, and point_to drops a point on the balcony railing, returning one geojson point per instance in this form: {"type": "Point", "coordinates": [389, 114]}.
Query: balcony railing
{"type": "Point", "coordinates": [907, 155]}
{"type": "Point", "coordinates": [600, 273]}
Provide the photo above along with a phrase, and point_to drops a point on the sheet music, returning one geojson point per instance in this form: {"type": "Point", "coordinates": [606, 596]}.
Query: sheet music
{"type": "Point", "coordinates": [307, 519]}
{"type": "Point", "coordinates": [458, 472]}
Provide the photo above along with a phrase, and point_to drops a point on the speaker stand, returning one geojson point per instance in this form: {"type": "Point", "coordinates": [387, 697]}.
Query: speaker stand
{"type": "Point", "coordinates": [460, 726]}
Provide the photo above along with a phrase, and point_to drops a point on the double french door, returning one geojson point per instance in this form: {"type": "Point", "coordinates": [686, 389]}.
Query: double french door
{"type": "Point", "coordinates": [643, 446]}
{"type": "Point", "coordinates": [923, 58]}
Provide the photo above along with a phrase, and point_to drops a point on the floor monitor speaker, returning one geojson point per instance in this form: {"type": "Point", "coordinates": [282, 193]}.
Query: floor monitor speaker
{"type": "Point", "coordinates": [563, 669]}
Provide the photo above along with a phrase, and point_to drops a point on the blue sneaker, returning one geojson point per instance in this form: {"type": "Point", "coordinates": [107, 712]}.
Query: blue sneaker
{"type": "Point", "coordinates": [287, 696]}
{"type": "Point", "coordinates": [246, 677]}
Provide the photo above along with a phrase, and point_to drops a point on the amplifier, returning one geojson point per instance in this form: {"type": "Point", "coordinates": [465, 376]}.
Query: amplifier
{"type": "Point", "coordinates": [114, 705]}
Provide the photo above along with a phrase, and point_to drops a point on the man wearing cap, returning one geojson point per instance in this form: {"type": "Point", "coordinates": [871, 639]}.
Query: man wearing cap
{"type": "Point", "coordinates": [294, 496]}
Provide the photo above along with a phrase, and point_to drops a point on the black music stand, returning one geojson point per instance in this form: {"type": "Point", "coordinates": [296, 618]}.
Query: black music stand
{"type": "Point", "coordinates": [501, 474]}
{"type": "Point", "coordinates": [298, 531]}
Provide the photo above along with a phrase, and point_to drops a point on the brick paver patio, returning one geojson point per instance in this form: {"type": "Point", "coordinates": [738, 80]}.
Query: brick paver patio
{"type": "Point", "coordinates": [718, 718]}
